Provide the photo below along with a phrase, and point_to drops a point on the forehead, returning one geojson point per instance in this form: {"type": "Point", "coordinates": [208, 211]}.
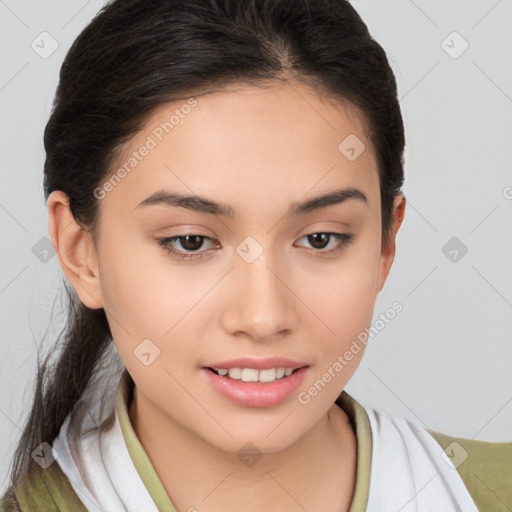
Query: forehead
{"type": "Point", "coordinates": [248, 141]}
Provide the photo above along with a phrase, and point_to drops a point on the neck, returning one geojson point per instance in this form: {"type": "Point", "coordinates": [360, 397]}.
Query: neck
{"type": "Point", "coordinates": [316, 472]}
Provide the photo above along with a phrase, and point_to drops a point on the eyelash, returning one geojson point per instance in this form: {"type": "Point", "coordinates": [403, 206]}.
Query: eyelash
{"type": "Point", "coordinates": [343, 240]}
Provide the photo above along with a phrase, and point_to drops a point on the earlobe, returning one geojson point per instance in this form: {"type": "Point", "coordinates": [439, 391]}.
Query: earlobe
{"type": "Point", "coordinates": [75, 250]}
{"type": "Point", "coordinates": [388, 252]}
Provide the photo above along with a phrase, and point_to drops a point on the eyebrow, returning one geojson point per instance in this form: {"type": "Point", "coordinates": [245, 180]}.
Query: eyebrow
{"type": "Point", "coordinates": [205, 205]}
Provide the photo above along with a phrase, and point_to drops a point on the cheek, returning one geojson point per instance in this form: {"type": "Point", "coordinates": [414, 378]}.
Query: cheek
{"type": "Point", "coordinates": [148, 298]}
{"type": "Point", "coordinates": [141, 287]}
{"type": "Point", "coordinates": [343, 295]}
{"type": "Point", "coordinates": [345, 305]}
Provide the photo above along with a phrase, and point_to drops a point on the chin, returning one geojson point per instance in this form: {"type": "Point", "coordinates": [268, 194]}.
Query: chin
{"type": "Point", "coordinates": [267, 435]}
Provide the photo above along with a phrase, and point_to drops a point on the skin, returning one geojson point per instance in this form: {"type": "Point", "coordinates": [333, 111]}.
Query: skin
{"type": "Point", "coordinates": [258, 150]}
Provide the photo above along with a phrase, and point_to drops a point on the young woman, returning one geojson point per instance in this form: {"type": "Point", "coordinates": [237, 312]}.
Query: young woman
{"type": "Point", "coordinates": [223, 181]}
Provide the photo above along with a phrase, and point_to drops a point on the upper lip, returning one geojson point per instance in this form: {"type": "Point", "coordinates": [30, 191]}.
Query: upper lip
{"type": "Point", "coordinates": [258, 364]}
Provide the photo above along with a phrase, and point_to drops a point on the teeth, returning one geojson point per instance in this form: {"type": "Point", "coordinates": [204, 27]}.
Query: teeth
{"type": "Point", "coordinates": [235, 373]}
{"type": "Point", "coordinates": [252, 375]}
{"type": "Point", "coordinates": [249, 375]}
{"type": "Point", "coordinates": [268, 375]}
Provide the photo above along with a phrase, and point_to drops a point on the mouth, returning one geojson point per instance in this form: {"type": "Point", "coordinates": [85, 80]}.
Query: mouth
{"type": "Point", "coordinates": [256, 383]}
{"type": "Point", "coordinates": [253, 374]}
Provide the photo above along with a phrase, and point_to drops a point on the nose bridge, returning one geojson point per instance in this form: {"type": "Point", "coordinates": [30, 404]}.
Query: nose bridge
{"type": "Point", "coordinates": [263, 305]}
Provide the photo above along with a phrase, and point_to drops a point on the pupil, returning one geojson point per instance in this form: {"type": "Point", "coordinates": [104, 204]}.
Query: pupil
{"type": "Point", "coordinates": [315, 236]}
{"type": "Point", "coordinates": [187, 243]}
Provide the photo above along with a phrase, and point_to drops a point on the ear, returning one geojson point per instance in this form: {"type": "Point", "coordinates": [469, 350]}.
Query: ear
{"type": "Point", "coordinates": [388, 251]}
{"type": "Point", "coordinates": [75, 249]}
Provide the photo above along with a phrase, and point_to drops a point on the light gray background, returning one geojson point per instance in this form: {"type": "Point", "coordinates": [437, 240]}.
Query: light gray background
{"type": "Point", "coordinates": [445, 360]}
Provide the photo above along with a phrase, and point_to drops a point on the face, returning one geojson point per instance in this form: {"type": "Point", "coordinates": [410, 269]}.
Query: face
{"type": "Point", "coordinates": [247, 273]}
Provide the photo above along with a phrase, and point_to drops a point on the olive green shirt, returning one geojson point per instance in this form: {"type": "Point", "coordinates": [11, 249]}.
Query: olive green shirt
{"type": "Point", "coordinates": [486, 472]}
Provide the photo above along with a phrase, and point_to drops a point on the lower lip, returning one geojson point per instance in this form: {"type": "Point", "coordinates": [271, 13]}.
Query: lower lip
{"type": "Point", "coordinates": [256, 394]}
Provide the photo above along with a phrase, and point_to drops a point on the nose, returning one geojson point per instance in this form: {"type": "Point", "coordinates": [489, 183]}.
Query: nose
{"type": "Point", "coordinates": [262, 305]}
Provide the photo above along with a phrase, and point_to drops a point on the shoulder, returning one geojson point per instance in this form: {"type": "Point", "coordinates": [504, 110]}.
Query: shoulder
{"type": "Point", "coordinates": [8, 502]}
{"type": "Point", "coordinates": [44, 489]}
{"type": "Point", "coordinates": [485, 468]}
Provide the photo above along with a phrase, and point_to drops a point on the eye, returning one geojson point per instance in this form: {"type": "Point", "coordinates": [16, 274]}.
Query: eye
{"type": "Point", "coordinates": [188, 242]}
{"type": "Point", "coordinates": [193, 242]}
{"type": "Point", "coordinates": [322, 239]}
